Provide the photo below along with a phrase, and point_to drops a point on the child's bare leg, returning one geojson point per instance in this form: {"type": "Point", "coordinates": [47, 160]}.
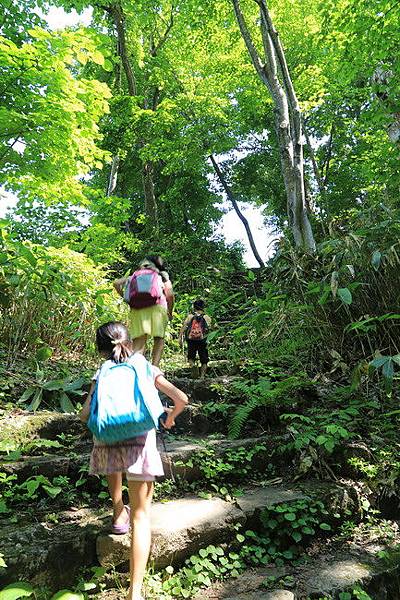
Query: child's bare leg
{"type": "Point", "coordinates": [140, 496]}
{"type": "Point", "coordinates": [158, 348]}
{"type": "Point", "coordinates": [115, 487]}
{"type": "Point", "coordinates": [139, 344]}
{"type": "Point", "coordinates": [203, 370]}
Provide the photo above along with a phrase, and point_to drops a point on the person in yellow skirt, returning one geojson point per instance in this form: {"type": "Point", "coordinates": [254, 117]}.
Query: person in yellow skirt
{"type": "Point", "coordinates": [148, 321]}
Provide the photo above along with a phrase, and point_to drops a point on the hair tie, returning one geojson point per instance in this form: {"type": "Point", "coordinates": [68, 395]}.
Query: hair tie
{"type": "Point", "coordinates": [115, 342]}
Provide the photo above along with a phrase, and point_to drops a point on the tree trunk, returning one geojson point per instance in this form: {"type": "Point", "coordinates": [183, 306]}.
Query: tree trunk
{"type": "Point", "coordinates": [150, 201]}
{"type": "Point", "coordinates": [381, 78]}
{"type": "Point", "coordinates": [119, 21]}
{"type": "Point", "coordinates": [112, 181]}
{"type": "Point", "coordinates": [239, 213]}
{"type": "Point", "coordinates": [274, 74]}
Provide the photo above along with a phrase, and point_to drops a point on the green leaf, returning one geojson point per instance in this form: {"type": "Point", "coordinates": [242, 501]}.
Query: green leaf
{"type": "Point", "coordinates": [296, 535]}
{"type": "Point", "coordinates": [27, 394]}
{"type": "Point", "coordinates": [325, 526]}
{"type": "Point", "coordinates": [21, 589]}
{"type": "Point", "coordinates": [32, 486]}
{"type": "Point", "coordinates": [53, 385]}
{"type": "Point", "coordinates": [43, 353]}
{"type": "Point", "coordinates": [76, 385]}
{"type": "Point", "coordinates": [290, 516]}
{"type": "Point", "coordinates": [379, 361]}
{"type": "Point", "coordinates": [321, 439]}
{"type": "Point", "coordinates": [108, 65]}
{"type": "Point", "coordinates": [345, 295]}
{"type": "Point", "coordinates": [388, 370]}
{"type": "Point", "coordinates": [67, 595]}
{"type": "Point", "coordinates": [26, 253]}
{"type": "Point", "coordinates": [66, 404]}
{"type": "Point", "coordinates": [376, 260]}
{"type": "Point", "coordinates": [52, 491]}
{"type": "Point", "coordinates": [34, 405]}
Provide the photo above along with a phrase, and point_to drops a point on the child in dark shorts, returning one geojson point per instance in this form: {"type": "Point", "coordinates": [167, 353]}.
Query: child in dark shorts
{"type": "Point", "coordinates": [195, 329]}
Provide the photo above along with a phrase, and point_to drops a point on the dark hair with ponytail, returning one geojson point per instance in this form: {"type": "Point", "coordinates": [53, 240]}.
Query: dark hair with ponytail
{"type": "Point", "coordinates": [158, 261]}
{"type": "Point", "coordinates": [113, 340]}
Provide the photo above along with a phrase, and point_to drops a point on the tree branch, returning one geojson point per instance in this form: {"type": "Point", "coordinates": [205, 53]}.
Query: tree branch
{"type": "Point", "coordinates": [115, 10]}
{"type": "Point", "coordinates": [255, 58]}
{"type": "Point", "coordinates": [165, 35]}
{"type": "Point", "coordinates": [239, 213]}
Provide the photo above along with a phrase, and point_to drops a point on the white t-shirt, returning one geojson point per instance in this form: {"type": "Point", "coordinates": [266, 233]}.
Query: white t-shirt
{"type": "Point", "coordinates": [155, 370]}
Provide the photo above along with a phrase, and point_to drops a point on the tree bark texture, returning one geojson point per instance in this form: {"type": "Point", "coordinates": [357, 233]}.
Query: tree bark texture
{"type": "Point", "coordinates": [150, 201]}
{"type": "Point", "coordinates": [274, 74]}
{"type": "Point", "coordinates": [112, 181]}
{"type": "Point", "coordinates": [381, 78]}
{"type": "Point", "coordinates": [239, 213]}
{"type": "Point", "coordinates": [119, 21]}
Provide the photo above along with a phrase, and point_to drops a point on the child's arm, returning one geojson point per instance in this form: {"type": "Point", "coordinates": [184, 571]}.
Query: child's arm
{"type": "Point", "coordinates": [119, 285]}
{"type": "Point", "coordinates": [178, 397]}
{"type": "Point", "coordinates": [169, 295]}
{"type": "Point", "coordinates": [183, 328]}
{"type": "Point", "coordinates": [85, 412]}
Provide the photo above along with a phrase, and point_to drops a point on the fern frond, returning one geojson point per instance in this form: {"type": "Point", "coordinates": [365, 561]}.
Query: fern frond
{"type": "Point", "coordinates": [241, 415]}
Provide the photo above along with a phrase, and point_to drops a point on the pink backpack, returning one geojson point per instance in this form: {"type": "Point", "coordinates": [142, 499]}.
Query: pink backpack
{"type": "Point", "coordinates": [144, 288]}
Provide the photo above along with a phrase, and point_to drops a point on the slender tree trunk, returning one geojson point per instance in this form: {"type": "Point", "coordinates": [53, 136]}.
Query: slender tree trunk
{"type": "Point", "coordinates": [119, 21]}
{"type": "Point", "coordinates": [382, 77]}
{"type": "Point", "coordinates": [274, 74]}
{"type": "Point", "coordinates": [239, 213]}
{"type": "Point", "coordinates": [112, 181]}
{"type": "Point", "coordinates": [150, 201]}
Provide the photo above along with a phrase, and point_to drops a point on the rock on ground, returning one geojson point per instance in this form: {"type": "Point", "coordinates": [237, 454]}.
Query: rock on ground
{"type": "Point", "coordinates": [181, 527]}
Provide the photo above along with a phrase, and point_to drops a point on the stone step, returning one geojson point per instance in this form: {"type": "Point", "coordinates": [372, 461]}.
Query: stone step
{"type": "Point", "coordinates": [338, 568]}
{"type": "Point", "coordinates": [182, 527]}
{"type": "Point", "coordinates": [216, 368]}
{"type": "Point", "coordinates": [179, 452]}
{"type": "Point", "coordinates": [208, 389]}
{"type": "Point", "coordinates": [49, 553]}
{"type": "Point", "coordinates": [23, 426]}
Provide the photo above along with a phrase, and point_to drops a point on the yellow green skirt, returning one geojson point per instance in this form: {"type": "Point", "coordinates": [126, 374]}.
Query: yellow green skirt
{"type": "Point", "coordinates": [152, 321]}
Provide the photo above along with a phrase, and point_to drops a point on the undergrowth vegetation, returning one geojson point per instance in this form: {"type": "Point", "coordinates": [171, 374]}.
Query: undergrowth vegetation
{"type": "Point", "coordinates": [51, 300]}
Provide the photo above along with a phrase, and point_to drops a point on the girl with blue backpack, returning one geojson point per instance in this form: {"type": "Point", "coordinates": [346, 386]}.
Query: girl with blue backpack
{"type": "Point", "coordinates": [122, 410]}
{"type": "Point", "coordinates": [149, 293]}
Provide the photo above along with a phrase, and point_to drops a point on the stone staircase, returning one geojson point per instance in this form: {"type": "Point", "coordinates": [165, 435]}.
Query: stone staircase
{"type": "Point", "coordinates": [52, 552]}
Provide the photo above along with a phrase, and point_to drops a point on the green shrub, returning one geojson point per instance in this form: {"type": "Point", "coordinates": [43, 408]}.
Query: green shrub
{"type": "Point", "coordinates": [51, 299]}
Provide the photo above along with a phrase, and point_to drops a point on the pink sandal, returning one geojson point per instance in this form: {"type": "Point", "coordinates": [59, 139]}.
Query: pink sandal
{"type": "Point", "coordinates": [123, 528]}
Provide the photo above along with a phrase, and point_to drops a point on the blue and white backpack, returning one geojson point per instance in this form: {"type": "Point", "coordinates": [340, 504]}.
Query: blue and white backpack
{"type": "Point", "coordinates": [125, 402]}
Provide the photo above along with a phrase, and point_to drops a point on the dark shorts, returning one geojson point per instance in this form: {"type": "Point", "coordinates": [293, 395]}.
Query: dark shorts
{"type": "Point", "coordinates": [198, 346]}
